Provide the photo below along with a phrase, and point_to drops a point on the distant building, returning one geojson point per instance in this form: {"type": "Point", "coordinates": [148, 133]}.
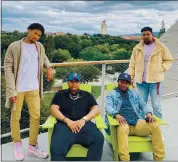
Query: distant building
{"type": "Point", "coordinates": [103, 28]}
{"type": "Point", "coordinates": [135, 38]}
{"type": "Point", "coordinates": [59, 33]}
{"type": "Point", "coordinates": [54, 34]}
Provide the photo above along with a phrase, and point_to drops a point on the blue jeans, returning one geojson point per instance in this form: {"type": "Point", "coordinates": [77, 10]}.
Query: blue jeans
{"type": "Point", "coordinates": [145, 89]}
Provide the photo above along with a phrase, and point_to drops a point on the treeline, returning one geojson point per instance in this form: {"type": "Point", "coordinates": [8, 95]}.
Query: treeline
{"type": "Point", "coordinates": [69, 47]}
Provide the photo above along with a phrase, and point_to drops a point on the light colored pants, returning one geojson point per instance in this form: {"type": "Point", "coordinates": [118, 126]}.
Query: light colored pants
{"type": "Point", "coordinates": [142, 128]}
{"type": "Point", "coordinates": [33, 101]}
{"type": "Point", "coordinates": [146, 89]}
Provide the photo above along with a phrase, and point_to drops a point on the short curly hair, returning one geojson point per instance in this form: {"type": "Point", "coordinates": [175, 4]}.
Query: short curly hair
{"type": "Point", "coordinates": [37, 26]}
{"type": "Point", "coordinates": [147, 29]}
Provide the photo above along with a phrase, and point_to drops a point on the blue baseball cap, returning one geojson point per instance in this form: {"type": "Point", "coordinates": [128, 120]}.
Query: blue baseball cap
{"type": "Point", "coordinates": [73, 76]}
{"type": "Point", "coordinates": [124, 76]}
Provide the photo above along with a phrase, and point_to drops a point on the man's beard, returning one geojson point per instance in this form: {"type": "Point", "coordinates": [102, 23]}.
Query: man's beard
{"type": "Point", "coordinates": [74, 91]}
{"type": "Point", "coordinates": [149, 42]}
{"type": "Point", "coordinates": [125, 90]}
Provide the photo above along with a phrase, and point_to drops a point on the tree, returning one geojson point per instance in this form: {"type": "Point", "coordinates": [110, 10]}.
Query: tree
{"type": "Point", "coordinates": [46, 85]}
{"type": "Point", "coordinates": [2, 57]}
{"type": "Point", "coordinates": [85, 43]}
{"type": "Point", "coordinates": [93, 54]}
{"type": "Point", "coordinates": [62, 41]}
{"type": "Point", "coordinates": [103, 48]}
{"type": "Point", "coordinates": [60, 55]}
{"type": "Point", "coordinates": [121, 54]}
{"type": "Point", "coordinates": [114, 47]}
{"type": "Point", "coordinates": [49, 46]}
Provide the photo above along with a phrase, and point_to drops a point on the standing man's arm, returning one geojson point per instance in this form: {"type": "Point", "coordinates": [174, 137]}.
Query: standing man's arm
{"type": "Point", "coordinates": [9, 75]}
{"type": "Point", "coordinates": [143, 105]}
{"type": "Point", "coordinates": [147, 111]}
{"type": "Point", "coordinates": [47, 65]}
{"type": "Point", "coordinates": [167, 60]}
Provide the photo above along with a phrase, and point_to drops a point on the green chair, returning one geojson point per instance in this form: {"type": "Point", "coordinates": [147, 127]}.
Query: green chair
{"type": "Point", "coordinates": [76, 151]}
{"type": "Point", "coordinates": [135, 143]}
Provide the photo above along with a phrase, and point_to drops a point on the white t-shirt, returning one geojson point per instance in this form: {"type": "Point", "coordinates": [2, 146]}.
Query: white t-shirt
{"type": "Point", "coordinates": [28, 70]}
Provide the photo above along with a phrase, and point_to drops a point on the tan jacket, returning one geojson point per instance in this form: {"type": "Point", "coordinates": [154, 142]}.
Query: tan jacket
{"type": "Point", "coordinates": [11, 66]}
{"type": "Point", "coordinates": [159, 62]}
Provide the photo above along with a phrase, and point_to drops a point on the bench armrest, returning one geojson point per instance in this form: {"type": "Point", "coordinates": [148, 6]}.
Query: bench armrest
{"type": "Point", "coordinates": [100, 122]}
{"type": "Point", "coordinates": [112, 121]}
{"type": "Point", "coordinates": [160, 121]}
{"type": "Point", "coordinates": [49, 123]}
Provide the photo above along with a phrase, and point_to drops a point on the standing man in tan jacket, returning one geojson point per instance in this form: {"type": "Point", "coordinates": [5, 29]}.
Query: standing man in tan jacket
{"type": "Point", "coordinates": [23, 66]}
{"type": "Point", "coordinates": [149, 60]}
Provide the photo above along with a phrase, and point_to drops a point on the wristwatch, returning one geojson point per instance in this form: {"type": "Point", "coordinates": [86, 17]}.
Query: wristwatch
{"type": "Point", "coordinates": [85, 118]}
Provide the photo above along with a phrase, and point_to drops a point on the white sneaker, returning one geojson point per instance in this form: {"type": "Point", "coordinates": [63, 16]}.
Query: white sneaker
{"type": "Point", "coordinates": [18, 152]}
{"type": "Point", "coordinates": [37, 152]}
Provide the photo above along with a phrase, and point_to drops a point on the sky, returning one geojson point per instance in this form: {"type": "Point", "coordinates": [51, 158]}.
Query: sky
{"type": "Point", "coordinates": [78, 17]}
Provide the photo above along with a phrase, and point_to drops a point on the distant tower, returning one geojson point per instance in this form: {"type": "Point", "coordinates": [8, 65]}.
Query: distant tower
{"type": "Point", "coordinates": [162, 30]}
{"type": "Point", "coordinates": [163, 27]}
{"type": "Point", "coordinates": [103, 28]}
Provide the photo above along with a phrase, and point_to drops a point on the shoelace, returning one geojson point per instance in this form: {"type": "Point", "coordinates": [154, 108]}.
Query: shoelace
{"type": "Point", "coordinates": [18, 148]}
{"type": "Point", "coordinates": [38, 149]}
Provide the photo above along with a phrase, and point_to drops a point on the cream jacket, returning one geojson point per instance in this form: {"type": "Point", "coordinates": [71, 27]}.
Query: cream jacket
{"type": "Point", "coordinates": [159, 62]}
{"type": "Point", "coordinates": [11, 67]}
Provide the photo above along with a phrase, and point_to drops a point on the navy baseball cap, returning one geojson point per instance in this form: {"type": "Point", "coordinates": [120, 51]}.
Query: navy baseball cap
{"type": "Point", "coordinates": [73, 76]}
{"type": "Point", "coordinates": [124, 76]}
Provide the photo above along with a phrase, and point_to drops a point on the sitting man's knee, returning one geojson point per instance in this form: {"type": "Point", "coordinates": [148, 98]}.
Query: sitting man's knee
{"type": "Point", "coordinates": [154, 126]}
{"type": "Point", "coordinates": [99, 138]}
{"type": "Point", "coordinates": [122, 128]}
{"type": "Point", "coordinates": [56, 149]}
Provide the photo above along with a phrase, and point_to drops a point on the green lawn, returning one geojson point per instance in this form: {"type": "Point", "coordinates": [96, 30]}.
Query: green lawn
{"type": "Point", "coordinates": [96, 91]}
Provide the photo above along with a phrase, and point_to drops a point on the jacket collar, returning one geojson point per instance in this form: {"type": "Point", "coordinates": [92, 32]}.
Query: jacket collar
{"type": "Point", "coordinates": [158, 45]}
{"type": "Point", "coordinates": [36, 44]}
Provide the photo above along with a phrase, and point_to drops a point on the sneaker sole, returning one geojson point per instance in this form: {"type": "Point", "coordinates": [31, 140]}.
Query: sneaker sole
{"type": "Point", "coordinates": [31, 154]}
{"type": "Point", "coordinates": [19, 159]}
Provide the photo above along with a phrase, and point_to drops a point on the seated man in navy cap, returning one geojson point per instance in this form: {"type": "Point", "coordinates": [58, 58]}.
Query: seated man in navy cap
{"type": "Point", "coordinates": [74, 109]}
{"type": "Point", "coordinates": [128, 108]}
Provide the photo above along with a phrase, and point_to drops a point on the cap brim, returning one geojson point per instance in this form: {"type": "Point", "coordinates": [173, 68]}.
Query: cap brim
{"type": "Point", "coordinates": [74, 79]}
{"type": "Point", "coordinates": [125, 80]}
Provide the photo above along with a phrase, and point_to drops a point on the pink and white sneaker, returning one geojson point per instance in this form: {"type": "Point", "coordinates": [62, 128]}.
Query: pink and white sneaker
{"type": "Point", "coordinates": [37, 152]}
{"type": "Point", "coordinates": [18, 152]}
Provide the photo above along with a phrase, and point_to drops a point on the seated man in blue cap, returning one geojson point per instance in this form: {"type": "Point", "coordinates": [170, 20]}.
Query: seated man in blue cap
{"type": "Point", "coordinates": [74, 109]}
{"type": "Point", "coordinates": [128, 108]}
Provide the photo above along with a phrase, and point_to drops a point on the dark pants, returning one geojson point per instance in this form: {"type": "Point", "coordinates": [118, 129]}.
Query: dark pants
{"type": "Point", "coordinates": [63, 138]}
